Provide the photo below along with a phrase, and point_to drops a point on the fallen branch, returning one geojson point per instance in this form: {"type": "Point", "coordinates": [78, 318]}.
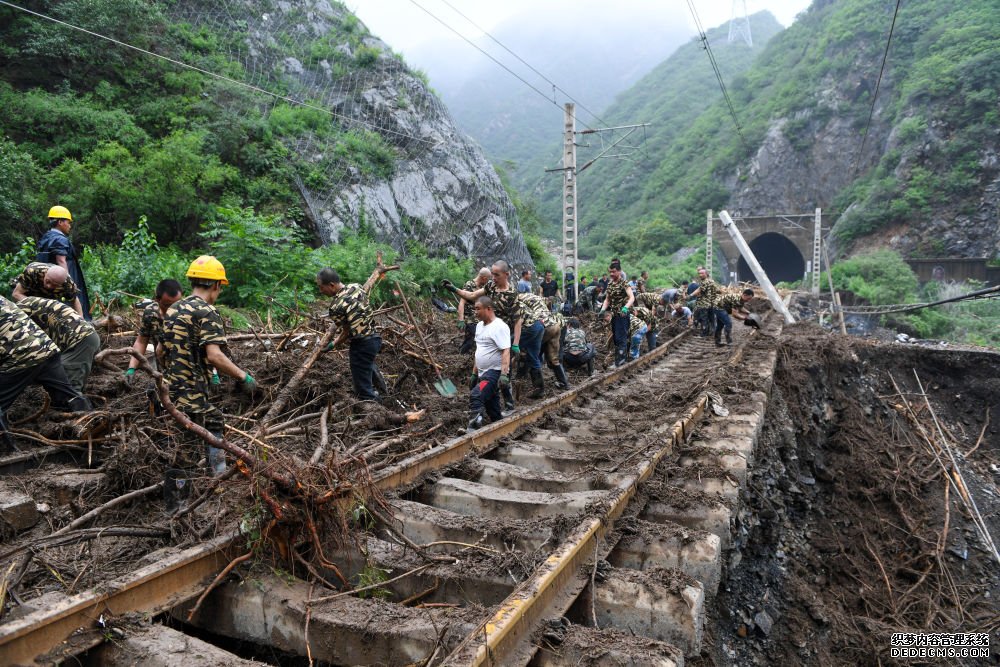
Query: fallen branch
{"type": "Point", "coordinates": [286, 482]}
{"type": "Point", "coordinates": [324, 437]}
{"type": "Point", "coordinates": [281, 400]}
{"type": "Point", "coordinates": [111, 504]}
{"type": "Point", "coordinates": [215, 582]}
{"type": "Point", "coordinates": [371, 587]}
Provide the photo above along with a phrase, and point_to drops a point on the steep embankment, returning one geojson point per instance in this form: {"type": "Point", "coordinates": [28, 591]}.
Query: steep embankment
{"type": "Point", "coordinates": [928, 180]}
{"type": "Point", "coordinates": [114, 133]}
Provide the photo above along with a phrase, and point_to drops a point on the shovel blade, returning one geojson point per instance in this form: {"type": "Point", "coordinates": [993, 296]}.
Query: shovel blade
{"type": "Point", "coordinates": [445, 387]}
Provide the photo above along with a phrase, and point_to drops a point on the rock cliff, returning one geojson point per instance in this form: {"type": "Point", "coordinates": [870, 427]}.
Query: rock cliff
{"type": "Point", "coordinates": [435, 187]}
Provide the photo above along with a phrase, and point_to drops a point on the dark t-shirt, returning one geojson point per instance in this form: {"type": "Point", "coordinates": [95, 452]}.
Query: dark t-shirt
{"type": "Point", "coordinates": [550, 287]}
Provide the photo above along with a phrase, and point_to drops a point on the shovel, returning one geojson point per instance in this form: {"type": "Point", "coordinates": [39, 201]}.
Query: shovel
{"type": "Point", "coordinates": [444, 386]}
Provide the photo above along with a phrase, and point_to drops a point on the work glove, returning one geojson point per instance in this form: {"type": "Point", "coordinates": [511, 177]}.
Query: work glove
{"type": "Point", "coordinates": [249, 383]}
{"type": "Point", "coordinates": [473, 380]}
{"type": "Point", "coordinates": [504, 379]}
{"type": "Point", "coordinates": [461, 325]}
{"type": "Point", "coordinates": [624, 310]}
{"type": "Point", "coordinates": [515, 349]}
{"type": "Point", "coordinates": [215, 380]}
{"type": "Point", "coordinates": [448, 286]}
{"type": "Point", "coordinates": [129, 377]}
{"type": "Point", "coordinates": [329, 347]}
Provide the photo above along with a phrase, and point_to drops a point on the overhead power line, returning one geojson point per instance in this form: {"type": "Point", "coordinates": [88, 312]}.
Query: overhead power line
{"type": "Point", "coordinates": [488, 55]}
{"type": "Point", "coordinates": [214, 75]}
{"type": "Point", "coordinates": [871, 112]}
{"type": "Point", "coordinates": [718, 75]}
{"type": "Point", "coordinates": [525, 63]}
{"type": "Point", "coordinates": [988, 293]}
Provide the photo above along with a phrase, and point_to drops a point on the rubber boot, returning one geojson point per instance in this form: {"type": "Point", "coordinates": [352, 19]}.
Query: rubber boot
{"type": "Point", "coordinates": [7, 444]}
{"type": "Point", "coordinates": [216, 460]}
{"type": "Point", "coordinates": [590, 367]}
{"type": "Point", "coordinates": [538, 382]}
{"type": "Point", "coordinates": [80, 404]}
{"type": "Point", "coordinates": [718, 338]}
{"type": "Point", "coordinates": [508, 399]}
{"type": "Point", "coordinates": [176, 489]}
{"type": "Point", "coordinates": [729, 338]}
{"type": "Point", "coordinates": [561, 380]}
{"type": "Point", "coordinates": [476, 421]}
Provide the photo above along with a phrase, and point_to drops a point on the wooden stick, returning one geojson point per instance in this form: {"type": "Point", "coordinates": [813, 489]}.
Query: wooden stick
{"type": "Point", "coordinates": [215, 582]}
{"type": "Point", "coordinates": [979, 440]}
{"type": "Point", "coordinates": [285, 394]}
{"type": "Point", "coordinates": [379, 584]}
{"type": "Point", "coordinates": [324, 437]}
{"type": "Point", "coordinates": [111, 504]}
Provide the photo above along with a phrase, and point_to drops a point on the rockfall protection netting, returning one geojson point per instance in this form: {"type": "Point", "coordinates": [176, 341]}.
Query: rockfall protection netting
{"type": "Point", "coordinates": [441, 190]}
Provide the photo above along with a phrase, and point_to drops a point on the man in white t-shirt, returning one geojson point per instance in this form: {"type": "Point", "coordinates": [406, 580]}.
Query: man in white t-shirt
{"type": "Point", "coordinates": [492, 366]}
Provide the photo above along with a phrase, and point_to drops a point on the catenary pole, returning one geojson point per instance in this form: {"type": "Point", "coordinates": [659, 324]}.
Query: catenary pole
{"type": "Point", "coordinates": [758, 270]}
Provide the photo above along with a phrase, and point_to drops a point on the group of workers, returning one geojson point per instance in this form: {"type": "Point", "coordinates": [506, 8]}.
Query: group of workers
{"type": "Point", "coordinates": [510, 325]}
{"type": "Point", "coordinates": [46, 338]}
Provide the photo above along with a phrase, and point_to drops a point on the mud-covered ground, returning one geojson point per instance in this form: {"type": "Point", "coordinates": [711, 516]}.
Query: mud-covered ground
{"type": "Point", "coordinates": [850, 531]}
{"type": "Point", "coordinates": [125, 448]}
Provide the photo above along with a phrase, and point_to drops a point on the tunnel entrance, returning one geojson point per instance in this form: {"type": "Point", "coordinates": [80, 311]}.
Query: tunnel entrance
{"type": "Point", "coordinates": [779, 257]}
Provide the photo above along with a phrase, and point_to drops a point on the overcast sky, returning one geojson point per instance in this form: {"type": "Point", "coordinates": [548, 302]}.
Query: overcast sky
{"type": "Point", "coordinates": [406, 28]}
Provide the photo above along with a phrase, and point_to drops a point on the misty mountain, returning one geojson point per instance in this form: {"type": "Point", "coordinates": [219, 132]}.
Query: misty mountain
{"type": "Point", "coordinates": [589, 53]}
{"type": "Point", "coordinates": [922, 177]}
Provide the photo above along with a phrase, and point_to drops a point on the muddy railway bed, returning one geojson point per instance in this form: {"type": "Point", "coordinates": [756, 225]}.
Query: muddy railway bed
{"type": "Point", "coordinates": [570, 545]}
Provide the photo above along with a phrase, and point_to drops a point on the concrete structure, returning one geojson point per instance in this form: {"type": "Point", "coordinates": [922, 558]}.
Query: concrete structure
{"type": "Point", "coordinates": [955, 269]}
{"type": "Point", "coordinates": [788, 247]}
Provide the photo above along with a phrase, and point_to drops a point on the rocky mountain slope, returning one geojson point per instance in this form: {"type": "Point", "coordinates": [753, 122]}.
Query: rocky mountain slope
{"type": "Point", "coordinates": [923, 177]}
{"type": "Point", "coordinates": [349, 139]}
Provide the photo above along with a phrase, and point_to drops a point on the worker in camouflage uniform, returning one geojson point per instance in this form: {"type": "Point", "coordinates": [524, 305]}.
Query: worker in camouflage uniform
{"type": "Point", "coordinates": [506, 306]}
{"type": "Point", "coordinates": [467, 313]}
{"type": "Point", "coordinates": [706, 295]}
{"type": "Point", "coordinates": [637, 329]}
{"type": "Point", "coordinates": [648, 300]}
{"type": "Point", "coordinates": [642, 282]}
{"type": "Point", "coordinates": [534, 314]}
{"type": "Point", "coordinates": [731, 305]}
{"type": "Point", "coordinates": [28, 356]}
{"type": "Point", "coordinates": [49, 281]}
{"type": "Point", "coordinates": [168, 292]}
{"type": "Point", "coordinates": [552, 340]}
{"type": "Point", "coordinates": [576, 351]}
{"type": "Point", "coordinates": [194, 340]}
{"type": "Point", "coordinates": [618, 299]}
{"type": "Point", "coordinates": [74, 336]}
{"type": "Point", "coordinates": [355, 319]}
{"type": "Point", "coordinates": [651, 321]}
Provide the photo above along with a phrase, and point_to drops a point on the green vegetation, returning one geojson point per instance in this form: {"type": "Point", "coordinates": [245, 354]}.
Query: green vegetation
{"type": "Point", "coordinates": [116, 135]}
{"type": "Point", "coordinates": [939, 99]}
{"type": "Point", "coordinates": [668, 179]}
{"type": "Point", "coordinates": [883, 278]}
{"type": "Point", "coordinates": [267, 262]}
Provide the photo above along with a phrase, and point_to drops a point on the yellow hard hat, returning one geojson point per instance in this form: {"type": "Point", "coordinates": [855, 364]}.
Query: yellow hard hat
{"type": "Point", "coordinates": [60, 212]}
{"type": "Point", "coordinates": [207, 267]}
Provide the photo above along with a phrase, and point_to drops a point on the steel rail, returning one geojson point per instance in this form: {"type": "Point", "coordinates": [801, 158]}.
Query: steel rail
{"type": "Point", "coordinates": [411, 469]}
{"type": "Point", "coordinates": [71, 626]}
{"type": "Point", "coordinates": [504, 639]}
{"type": "Point", "coordinates": [50, 634]}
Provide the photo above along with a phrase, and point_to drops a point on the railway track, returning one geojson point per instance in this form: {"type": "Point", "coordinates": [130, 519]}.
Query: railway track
{"type": "Point", "coordinates": [557, 512]}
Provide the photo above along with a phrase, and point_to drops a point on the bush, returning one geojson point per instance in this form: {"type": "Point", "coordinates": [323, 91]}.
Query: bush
{"type": "Point", "coordinates": [881, 277]}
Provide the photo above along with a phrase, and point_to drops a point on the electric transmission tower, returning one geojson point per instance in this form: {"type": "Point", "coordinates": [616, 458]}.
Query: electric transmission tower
{"type": "Point", "coordinates": [739, 24]}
